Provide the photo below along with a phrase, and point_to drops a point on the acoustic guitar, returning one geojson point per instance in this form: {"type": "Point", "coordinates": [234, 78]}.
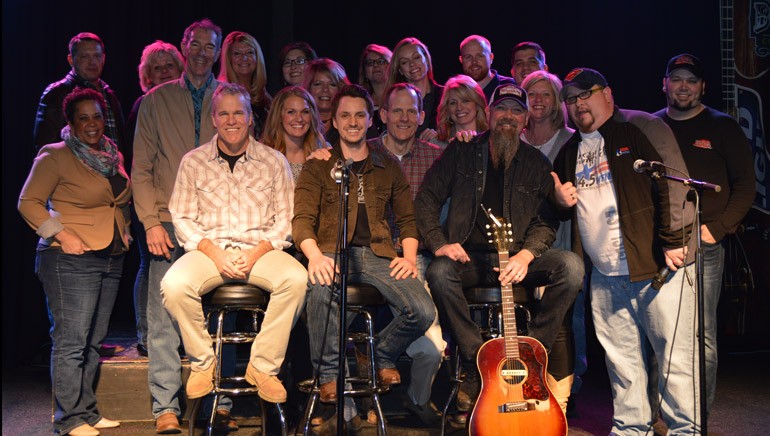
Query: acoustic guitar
{"type": "Point", "coordinates": [515, 398]}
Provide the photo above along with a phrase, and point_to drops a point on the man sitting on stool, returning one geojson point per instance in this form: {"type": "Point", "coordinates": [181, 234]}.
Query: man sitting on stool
{"type": "Point", "coordinates": [231, 208]}
{"type": "Point", "coordinates": [513, 179]}
{"type": "Point", "coordinates": [375, 180]}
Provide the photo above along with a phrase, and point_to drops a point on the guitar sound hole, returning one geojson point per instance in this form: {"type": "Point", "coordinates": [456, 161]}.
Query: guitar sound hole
{"type": "Point", "coordinates": [513, 371]}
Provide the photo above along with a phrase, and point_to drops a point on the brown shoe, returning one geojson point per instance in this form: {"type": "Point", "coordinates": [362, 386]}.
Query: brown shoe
{"type": "Point", "coordinates": [224, 423]}
{"type": "Point", "coordinates": [388, 376]}
{"type": "Point", "coordinates": [329, 392]}
{"type": "Point", "coordinates": [270, 388]}
{"type": "Point", "coordinates": [329, 427]}
{"type": "Point", "coordinates": [200, 383]}
{"type": "Point", "coordinates": [167, 423]}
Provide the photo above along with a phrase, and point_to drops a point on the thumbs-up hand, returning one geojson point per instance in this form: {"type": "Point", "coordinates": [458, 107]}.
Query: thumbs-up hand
{"type": "Point", "coordinates": [566, 194]}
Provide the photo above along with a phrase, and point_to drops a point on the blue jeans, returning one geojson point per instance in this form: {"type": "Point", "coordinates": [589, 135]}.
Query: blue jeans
{"type": "Point", "coordinates": [163, 340]}
{"type": "Point", "coordinates": [630, 317]}
{"type": "Point", "coordinates": [80, 291]}
{"type": "Point", "coordinates": [412, 307]}
{"type": "Point", "coordinates": [140, 284]}
{"type": "Point", "coordinates": [713, 267]}
{"type": "Point", "coordinates": [560, 271]}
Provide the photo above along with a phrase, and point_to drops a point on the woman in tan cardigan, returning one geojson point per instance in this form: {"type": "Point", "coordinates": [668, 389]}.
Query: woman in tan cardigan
{"type": "Point", "coordinates": [76, 199]}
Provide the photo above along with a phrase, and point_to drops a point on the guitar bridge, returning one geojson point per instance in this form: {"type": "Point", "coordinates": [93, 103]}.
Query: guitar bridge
{"type": "Point", "coordinates": [517, 406]}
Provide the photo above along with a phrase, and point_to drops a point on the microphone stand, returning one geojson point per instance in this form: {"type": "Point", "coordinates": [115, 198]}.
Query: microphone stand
{"type": "Point", "coordinates": [697, 187]}
{"type": "Point", "coordinates": [342, 177]}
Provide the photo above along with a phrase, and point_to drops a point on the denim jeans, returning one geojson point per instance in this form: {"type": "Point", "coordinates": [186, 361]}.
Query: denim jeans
{"type": "Point", "coordinates": [412, 306]}
{"type": "Point", "coordinates": [713, 267]}
{"type": "Point", "coordinates": [560, 271]}
{"type": "Point", "coordinates": [163, 339]}
{"type": "Point", "coordinates": [426, 351]}
{"type": "Point", "coordinates": [80, 292]}
{"type": "Point", "coordinates": [140, 283]}
{"type": "Point", "coordinates": [628, 316]}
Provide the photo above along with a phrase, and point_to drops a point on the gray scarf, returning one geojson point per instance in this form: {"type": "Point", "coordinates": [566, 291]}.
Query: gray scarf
{"type": "Point", "coordinates": [104, 161]}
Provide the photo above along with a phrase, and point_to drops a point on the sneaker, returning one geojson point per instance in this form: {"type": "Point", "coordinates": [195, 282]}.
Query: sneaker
{"type": "Point", "coordinates": [428, 414]}
{"type": "Point", "coordinates": [200, 383]}
{"type": "Point", "coordinates": [270, 388]}
{"type": "Point", "coordinates": [469, 391]}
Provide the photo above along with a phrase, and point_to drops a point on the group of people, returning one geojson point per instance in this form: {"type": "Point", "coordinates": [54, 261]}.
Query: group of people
{"type": "Point", "coordinates": [225, 178]}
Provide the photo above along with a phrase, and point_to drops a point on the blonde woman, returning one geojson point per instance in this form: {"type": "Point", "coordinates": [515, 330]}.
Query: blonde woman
{"type": "Point", "coordinates": [242, 62]}
{"type": "Point", "coordinates": [462, 110]}
{"type": "Point", "coordinates": [412, 63]}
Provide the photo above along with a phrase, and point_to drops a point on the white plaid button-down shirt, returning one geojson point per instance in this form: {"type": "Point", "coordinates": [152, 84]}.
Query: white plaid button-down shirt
{"type": "Point", "coordinates": [252, 203]}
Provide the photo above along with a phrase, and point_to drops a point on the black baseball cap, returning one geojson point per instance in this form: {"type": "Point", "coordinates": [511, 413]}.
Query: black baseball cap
{"type": "Point", "coordinates": [582, 79]}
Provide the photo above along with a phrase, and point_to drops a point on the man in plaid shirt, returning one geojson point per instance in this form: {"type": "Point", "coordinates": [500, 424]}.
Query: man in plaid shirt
{"type": "Point", "coordinates": [402, 113]}
{"type": "Point", "coordinates": [231, 207]}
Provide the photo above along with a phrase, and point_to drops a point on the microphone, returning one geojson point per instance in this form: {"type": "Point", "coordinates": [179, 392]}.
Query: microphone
{"type": "Point", "coordinates": [660, 277]}
{"type": "Point", "coordinates": [339, 167]}
{"type": "Point", "coordinates": [641, 165]}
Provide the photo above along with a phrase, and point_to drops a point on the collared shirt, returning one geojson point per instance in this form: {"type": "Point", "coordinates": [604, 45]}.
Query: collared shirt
{"type": "Point", "coordinates": [252, 203]}
{"type": "Point", "coordinates": [197, 95]}
{"type": "Point", "coordinates": [415, 163]}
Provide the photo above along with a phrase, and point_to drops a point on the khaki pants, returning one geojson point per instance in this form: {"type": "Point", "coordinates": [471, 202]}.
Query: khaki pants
{"type": "Point", "coordinates": [195, 274]}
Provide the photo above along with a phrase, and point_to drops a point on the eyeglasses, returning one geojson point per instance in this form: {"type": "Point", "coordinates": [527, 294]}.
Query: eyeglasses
{"type": "Point", "coordinates": [289, 62]}
{"type": "Point", "coordinates": [373, 62]}
{"type": "Point", "coordinates": [585, 95]}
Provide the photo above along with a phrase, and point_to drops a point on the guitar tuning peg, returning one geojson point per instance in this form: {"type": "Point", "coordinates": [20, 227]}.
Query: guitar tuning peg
{"type": "Point", "coordinates": [487, 225]}
{"type": "Point", "coordinates": [490, 241]}
{"type": "Point", "coordinates": [510, 232]}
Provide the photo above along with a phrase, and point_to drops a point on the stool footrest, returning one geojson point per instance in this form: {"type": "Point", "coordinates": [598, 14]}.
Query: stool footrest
{"type": "Point", "coordinates": [306, 387]}
{"type": "Point", "coordinates": [237, 338]}
{"type": "Point", "coordinates": [235, 391]}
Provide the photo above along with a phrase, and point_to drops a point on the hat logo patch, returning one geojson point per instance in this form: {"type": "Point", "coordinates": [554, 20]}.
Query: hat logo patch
{"type": "Point", "coordinates": [510, 90]}
{"type": "Point", "coordinates": [684, 60]}
{"type": "Point", "coordinates": [702, 143]}
{"type": "Point", "coordinates": [573, 74]}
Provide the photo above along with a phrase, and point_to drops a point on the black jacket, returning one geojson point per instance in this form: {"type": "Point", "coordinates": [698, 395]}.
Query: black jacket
{"type": "Point", "coordinates": [460, 173]}
{"type": "Point", "coordinates": [651, 213]}
{"type": "Point", "coordinates": [50, 116]}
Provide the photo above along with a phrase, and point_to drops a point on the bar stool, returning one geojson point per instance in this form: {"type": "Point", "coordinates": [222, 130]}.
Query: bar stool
{"type": "Point", "coordinates": [487, 301]}
{"type": "Point", "coordinates": [359, 296]}
{"type": "Point", "coordinates": [224, 299]}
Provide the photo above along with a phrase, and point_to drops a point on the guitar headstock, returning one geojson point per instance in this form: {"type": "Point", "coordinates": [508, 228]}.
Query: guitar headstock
{"type": "Point", "coordinates": [499, 230]}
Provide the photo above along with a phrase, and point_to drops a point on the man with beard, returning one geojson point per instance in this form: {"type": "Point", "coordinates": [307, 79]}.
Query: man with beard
{"type": "Point", "coordinates": [513, 180]}
{"type": "Point", "coordinates": [715, 149]}
{"type": "Point", "coordinates": [476, 58]}
{"type": "Point", "coordinates": [631, 227]}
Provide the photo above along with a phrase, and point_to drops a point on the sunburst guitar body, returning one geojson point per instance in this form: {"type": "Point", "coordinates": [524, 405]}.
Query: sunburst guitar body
{"type": "Point", "coordinates": [515, 398]}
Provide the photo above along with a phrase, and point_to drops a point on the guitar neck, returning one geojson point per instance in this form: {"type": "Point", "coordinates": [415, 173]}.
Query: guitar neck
{"type": "Point", "coordinates": [509, 313]}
